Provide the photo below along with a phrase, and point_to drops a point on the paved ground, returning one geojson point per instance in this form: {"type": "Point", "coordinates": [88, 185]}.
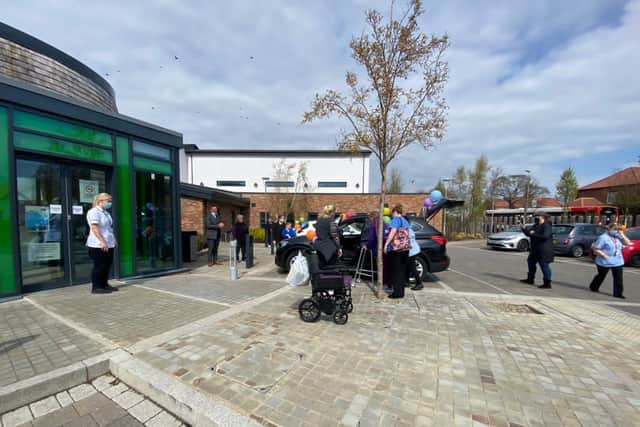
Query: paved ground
{"type": "Point", "coordinates": [474, 348]}
{"type": "Point", "coordinates": [105, 402]}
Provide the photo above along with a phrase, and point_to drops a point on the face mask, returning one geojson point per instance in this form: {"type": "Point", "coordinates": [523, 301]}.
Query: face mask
{"type": "Point", "coordinates": [614, 233]}
{"type": "Point", "coordinates": [536, 220]}
{"type": "Point", "coordinates": [107, 205]}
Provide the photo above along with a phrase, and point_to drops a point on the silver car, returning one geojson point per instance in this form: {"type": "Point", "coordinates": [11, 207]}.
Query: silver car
{"type": "Point", "coordinates": [513, 238]}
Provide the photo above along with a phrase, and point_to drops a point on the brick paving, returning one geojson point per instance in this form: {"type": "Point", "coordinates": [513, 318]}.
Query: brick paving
{"type": "Point", "coordinates": [32, 343]}
{"type": "Point", "coordinates": [105, 402]}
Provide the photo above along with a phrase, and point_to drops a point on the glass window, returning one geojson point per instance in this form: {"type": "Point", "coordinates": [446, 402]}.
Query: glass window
{"type": "Point", "coordinates": [154, 218]}
{"type": "Point", "coordinates": [351, 228]}
{"type": "Point", "coordinates": [231, 183]}
{"type": "Point", "coordinates": [279, 183]}
{"type": "Point", "coordinates": [562, 229]}
{"type": "Point", "coordinates": [39, 192]}
{"type": "Point", "coordinates": [57, 146]}
{"type": "Point", "coordinates": [152, 165]}
{"type": "Point", "coordinates": [416, 226]}
{"type": "Point", "coordinates": [633, 233]}
{"type": "Point", "coordinates": [332, 184]}
{"type": "Point", "coordinates": [59, 128]}
{"type": "Point", "coordinates": [151, 150]}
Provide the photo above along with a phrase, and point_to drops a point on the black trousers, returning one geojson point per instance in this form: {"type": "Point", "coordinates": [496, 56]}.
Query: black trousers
{"type": "Point", "coordinates": [412, 270]}
{"type": "Point", "coordinates": [616, 272]}
{"type": "Point", "coordinates": [241, 248]}
{"type": "Point", "coordinates": [102, 262]}
{"type": "Point", "coordinates": [212, 244]}
{"type": "Point", "coordinates": [398, 272]}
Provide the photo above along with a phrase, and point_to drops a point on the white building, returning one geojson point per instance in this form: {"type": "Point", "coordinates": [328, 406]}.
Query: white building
{"type": "Point", "coordinates": [251, 171]}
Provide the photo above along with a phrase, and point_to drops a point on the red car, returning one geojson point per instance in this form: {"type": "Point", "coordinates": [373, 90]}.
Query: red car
{"type": "Point", "coordinates": [631, 253]}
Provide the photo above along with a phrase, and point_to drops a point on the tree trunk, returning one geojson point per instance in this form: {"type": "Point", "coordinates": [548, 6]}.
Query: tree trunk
{"type": "Point", "coordinates": [380, 278]}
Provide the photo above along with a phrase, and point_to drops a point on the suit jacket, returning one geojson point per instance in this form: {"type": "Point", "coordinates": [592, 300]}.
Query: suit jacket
{"type": "Point", "coordinates": [213, 230]}
{"type": "Point", "coordinates": [541, 242]}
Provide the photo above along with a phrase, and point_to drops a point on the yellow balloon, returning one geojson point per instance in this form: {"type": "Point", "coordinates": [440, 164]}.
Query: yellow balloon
{"type": "Point", "coordinates": [386, 212]}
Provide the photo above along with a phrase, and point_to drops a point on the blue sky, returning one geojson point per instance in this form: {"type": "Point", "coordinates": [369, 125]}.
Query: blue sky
{"type": "Point", "coordinates": [537, 85]}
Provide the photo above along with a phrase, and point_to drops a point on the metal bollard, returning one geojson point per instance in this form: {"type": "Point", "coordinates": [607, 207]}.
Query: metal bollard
{"type": "Point", "coordinates": [233, 261]}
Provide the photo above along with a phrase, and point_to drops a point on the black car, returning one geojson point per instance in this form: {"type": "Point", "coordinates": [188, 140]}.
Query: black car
{"type": "Point", "coordinates": [574, 239]}
{"type": "Point", "coordinates": [432, 258]}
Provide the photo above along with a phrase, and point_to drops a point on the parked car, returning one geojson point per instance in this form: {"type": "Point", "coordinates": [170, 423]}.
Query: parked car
{"type": "Point", "coordinates": [512, 238]}
{"type": "Point", "coordinates": [310, 225]}
{"type": "Point", "coordinates": [574, 239]}
{"type": "Point", "coordinates": [432, 258]}
{"type": "Point", "coordinates": [631, 253]}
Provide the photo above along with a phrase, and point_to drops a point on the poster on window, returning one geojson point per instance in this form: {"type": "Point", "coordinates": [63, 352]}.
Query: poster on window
{"type": "Point", "coordinates": [39, 252]}
{"type": "Point", "coordinates": [88, 190]}
{"type": "Point", "coordinates": [26, 188]}
{"type": "Point", "coordinates": [36, 218]}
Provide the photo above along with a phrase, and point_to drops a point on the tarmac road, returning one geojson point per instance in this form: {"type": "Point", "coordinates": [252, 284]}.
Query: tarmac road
{"type": "Point", "coordinates": [476, 268]}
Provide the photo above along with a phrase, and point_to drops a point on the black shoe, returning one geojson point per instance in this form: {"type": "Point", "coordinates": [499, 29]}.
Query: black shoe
{"type": "Point", "coordinates": [527, 281]}
{"type": "Point", "coordinates": [100, 291]}
{"type": "Point", "coordinates": [619, 296]}
{"type": "Point", "coordinates": [112, 288]}
{"type": "Point", "coordinates": [417, 287]}
{"type": "Point", "coordinates": [593, 289]}
{"type": "Point", "coordinates": [545, 286]}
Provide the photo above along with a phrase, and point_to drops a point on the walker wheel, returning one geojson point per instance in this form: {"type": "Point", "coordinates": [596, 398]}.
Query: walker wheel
{"type": "Point", "coordinates": [349, 307]}
{"type": "Point", "coordinates": [340, 317]}
{"type": "Point", "coordinates": [309, 311]}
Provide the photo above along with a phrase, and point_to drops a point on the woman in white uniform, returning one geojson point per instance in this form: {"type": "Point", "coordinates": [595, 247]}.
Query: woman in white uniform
{"type": "Point", "coordinates": [101, 243]}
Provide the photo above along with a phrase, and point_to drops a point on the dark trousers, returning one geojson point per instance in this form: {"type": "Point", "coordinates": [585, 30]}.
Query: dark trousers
{"type": "Point", "coordinates": [544, 266]}
{"type": "Point", "coordinates": [102, 262]}
{"type": "Point", "coordinates": [412, 270]}
{"type": "Point", "coordinates": [616, 272]}
{"type": "Point", "coordinates": [398, 272]}
{"type": "Point", "coordinates": [241, 248]}
{"type": "Point", "coordinates": [212, 244]}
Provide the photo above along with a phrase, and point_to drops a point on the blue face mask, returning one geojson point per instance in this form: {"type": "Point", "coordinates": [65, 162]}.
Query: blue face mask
{"type": "Point", "coordinates": [107, 205]}
{"type": "Point", "coordinates": [614, 233]}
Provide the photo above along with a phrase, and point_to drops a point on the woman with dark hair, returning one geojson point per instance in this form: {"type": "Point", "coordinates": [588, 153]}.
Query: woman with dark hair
{"type": "Point", "coordinates": [397, 247]}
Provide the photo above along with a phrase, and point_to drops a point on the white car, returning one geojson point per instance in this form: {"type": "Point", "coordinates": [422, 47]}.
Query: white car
{"type": "Point", "coordinates": [513, 239]}
{"type": "Point", "coordinates": [310, 225]}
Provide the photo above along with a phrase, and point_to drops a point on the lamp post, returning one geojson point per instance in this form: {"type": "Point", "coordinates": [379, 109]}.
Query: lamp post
{"type": "Point", "coordinates": [267, 241]}
{"type": "Point", "coordinates": [446, 182]}
{"type": "Point", "coordinates": [526, 194]}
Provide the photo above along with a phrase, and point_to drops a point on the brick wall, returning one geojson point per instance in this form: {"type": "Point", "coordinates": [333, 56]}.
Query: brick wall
{"type": "Point", "coordinates": [343, 202]}
{"type": "Point", "coordinates": [20, 63]}
{"type": "Point", "coordinates": [194, 213]}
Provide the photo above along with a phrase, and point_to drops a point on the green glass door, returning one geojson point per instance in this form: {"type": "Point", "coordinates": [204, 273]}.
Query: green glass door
{"type": "Point", "coordinates": [53, 200]}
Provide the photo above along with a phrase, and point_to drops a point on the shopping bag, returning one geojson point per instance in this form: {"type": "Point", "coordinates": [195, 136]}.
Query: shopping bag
{"type": "Point", "coordinates": [299, 272]}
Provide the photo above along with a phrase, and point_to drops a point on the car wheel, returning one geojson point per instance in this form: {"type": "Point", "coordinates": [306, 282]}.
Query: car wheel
{"type": "Point", "coordinates": [289, 261]}
{"type": "Point", "coordinates": [634, 261]}
{"type": "Point", "coordinates": [577, 251]}
{"type": "Point", "coordinates": [523, 245]}
{"type": "Point", "coordinates": [422, 267]}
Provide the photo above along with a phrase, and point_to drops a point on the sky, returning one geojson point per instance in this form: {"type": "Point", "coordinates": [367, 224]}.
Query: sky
{"type": "Point", "coordinates": [534, 85]}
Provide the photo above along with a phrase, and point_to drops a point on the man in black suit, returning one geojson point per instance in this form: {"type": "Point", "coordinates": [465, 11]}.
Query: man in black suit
{"type": "Point", "coordinates": [214, 229]}
{"type": "Point", "coordinates": [541, 250]}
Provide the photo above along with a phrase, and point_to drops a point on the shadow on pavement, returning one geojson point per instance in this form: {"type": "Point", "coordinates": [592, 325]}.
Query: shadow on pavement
{"type": "Point", "coordinates": [7, 346]}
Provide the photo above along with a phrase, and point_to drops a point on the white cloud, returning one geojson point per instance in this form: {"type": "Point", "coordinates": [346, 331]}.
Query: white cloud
{"type": "Point", "coordinates": [534, 85]}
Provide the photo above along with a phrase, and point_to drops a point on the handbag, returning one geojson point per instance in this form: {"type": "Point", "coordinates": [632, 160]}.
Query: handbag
{"type": "Point", "coordinates": [401, 242]}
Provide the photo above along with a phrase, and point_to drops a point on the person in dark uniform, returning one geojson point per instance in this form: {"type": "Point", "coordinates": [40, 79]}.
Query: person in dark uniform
{"type": "Point", "coordinates": [328, 243]}
{"type": "Point", "coordinates": [541, 250]}
{"type": "Point", "coordinates": [214, 229]}
{"type": "Point", "coordinates": [239, 233]}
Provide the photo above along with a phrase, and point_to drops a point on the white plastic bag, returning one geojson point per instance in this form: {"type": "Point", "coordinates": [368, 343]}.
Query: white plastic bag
{"type": "Point", "coordinates": [299, 272]}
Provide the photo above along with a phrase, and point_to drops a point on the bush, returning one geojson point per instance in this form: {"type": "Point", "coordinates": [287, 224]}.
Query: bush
{"type": "Point", "coordinates": [257, 233]}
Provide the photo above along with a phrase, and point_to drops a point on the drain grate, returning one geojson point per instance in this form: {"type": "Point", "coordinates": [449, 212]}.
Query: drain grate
{"type": "Point", "coordinates": [518, 308]}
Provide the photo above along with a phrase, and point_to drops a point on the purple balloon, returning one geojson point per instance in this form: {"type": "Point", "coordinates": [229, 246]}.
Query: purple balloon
{"type": "Point", "coordinates": [428, 202]}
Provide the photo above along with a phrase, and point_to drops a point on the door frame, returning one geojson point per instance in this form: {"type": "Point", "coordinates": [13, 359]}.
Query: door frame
{"type": "Point", "coordinates": [65, 166]}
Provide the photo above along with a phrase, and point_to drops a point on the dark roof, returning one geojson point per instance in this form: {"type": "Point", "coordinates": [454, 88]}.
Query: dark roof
{"type": "Point", "coordinates": [208, 193]}
{"type": "Point", "coordinates": [23, 94]}
{"type": "Point", "coordinates": [25, 40]}
{"type": "Point", "coordinates": [628, 176]}
{"type": "Point", "coordinates": [193, 149]}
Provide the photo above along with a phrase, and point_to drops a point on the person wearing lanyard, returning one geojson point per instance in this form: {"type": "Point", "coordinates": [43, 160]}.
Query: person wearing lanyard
{"type": "Point", "coordinates": [608, 250]}
{"type": "Point", "coordinates": [101, 243]}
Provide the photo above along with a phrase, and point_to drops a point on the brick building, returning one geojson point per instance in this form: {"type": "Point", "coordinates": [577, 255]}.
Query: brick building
{"type": "Point", "coordinates": [612, 189]}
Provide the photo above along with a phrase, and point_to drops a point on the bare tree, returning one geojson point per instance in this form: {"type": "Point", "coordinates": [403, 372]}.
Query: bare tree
{"type": "Point", "coordinates": [389, 112]}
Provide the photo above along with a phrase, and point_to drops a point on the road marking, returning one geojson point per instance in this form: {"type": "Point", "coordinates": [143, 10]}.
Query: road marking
{"type": "Point", "coordinates": [73, 325]}
{"type": "Point", "coordinates": [481, 281]}
{"type": "Point", "coordinates": [445, 286]}
{"type": "Point", "coordinates": [183, 295]}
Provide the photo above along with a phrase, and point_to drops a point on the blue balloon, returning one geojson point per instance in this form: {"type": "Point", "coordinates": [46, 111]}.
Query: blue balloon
{"type": "Point", "coordinates": [436, 195]}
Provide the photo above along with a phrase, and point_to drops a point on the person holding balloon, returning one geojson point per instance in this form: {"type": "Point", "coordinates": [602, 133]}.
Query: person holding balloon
{"type": "Point", "coordinates": [325, 239]}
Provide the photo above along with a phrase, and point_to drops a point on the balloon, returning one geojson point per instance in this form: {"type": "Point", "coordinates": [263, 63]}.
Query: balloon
{"type": "Point", "coordinates": [301, 219]}
{"type": "Point", "coordinates": [310, 235]}
{"type": "Point", "coordinates": [436, 195]}
{"type": "Point", "coordinates": [386, 219]}
{"type": "Point", "coordinates": [304, 224]}
{"type": "Point", "coordinates": [386, 212]}
{"type": "Point", "coordinates": [428, 202]}
{"type": "Point", "coordinates": [350, 214]}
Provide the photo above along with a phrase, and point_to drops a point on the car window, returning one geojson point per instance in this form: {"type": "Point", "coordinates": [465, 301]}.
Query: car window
{"type": "Point", "coordinates": [562, 229]}
{"type": "Point", "coordinates": [633, 233]}
{"type": "Point", "coordinates": [589, 230]}
{"type": "Point", "coordinates": [515, 229]}
{"type": "Point", "coordinates": [351, 228]}
{"type": "Point", "coordinates": [416, 226]}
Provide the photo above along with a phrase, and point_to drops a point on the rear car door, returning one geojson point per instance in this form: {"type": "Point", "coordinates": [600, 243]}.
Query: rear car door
{"type": "Point", "coordinates": [350, 231]}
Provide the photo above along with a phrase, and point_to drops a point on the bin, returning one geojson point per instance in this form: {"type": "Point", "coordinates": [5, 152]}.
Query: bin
{"type": "Point", "coordinates": [189, 246]}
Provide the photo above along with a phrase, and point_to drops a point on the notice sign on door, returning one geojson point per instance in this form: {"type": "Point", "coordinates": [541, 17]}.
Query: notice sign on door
{"type": "Point", "coordinates": [77, 209]}
{"type": "Point", "coordinates": [38, 252]}
{"type": "Point", "coordinates": [88, 190]}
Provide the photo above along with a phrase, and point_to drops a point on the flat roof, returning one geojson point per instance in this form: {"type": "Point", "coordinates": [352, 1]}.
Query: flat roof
{"type": "Point", "coordinates": [30, 96]}
{"type": "Point", "coordinates": [208, 193]}
{"type": "Point", "coordinates": [193, 149]}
